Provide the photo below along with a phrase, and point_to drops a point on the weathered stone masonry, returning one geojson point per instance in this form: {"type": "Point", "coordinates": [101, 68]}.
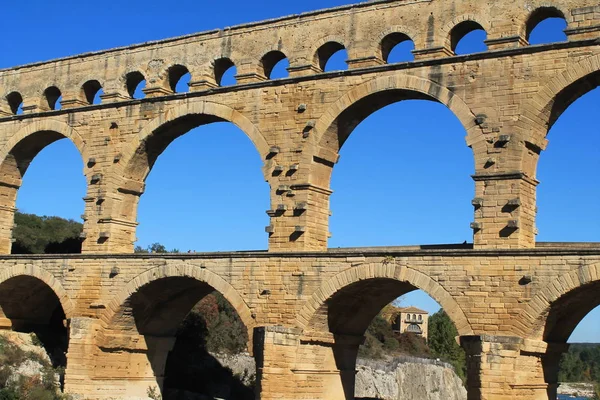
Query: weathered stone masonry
{"type": "Point", "coordinates": [514, 302]}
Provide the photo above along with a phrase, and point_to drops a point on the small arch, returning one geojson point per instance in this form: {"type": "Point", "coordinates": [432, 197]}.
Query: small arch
{"type": "Point", "coordinates": [270, 61]}
{"type": "Point", "coordinates": [176, 74]}
{"type": "Point", "coordinates": [394, 41]}
{"type": "Point", "coordinates": [53, 96]}
{"type": "Point", "coordinates": [223, 68]}
{"type": "Point", "coordinates": [15, 102]}
{"type": "Point", "coordinates": [540, 16]}
{"type": "Point", "coordinates": [325, 52]}
{"type": "Point", "coordinates": [467, 37]}
{"type": "Point", "coordinates": [90, 91]}
{"type": "Point", "coordinates": [135, 82]}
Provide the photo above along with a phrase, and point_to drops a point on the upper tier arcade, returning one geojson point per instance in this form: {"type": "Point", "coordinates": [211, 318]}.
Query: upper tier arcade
{"type": "Point", "coordinates": [367, 30]}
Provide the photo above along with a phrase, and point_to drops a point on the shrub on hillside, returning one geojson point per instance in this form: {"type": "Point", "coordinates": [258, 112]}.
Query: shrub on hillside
{"type": "Point", "coordinates": [42, 386]}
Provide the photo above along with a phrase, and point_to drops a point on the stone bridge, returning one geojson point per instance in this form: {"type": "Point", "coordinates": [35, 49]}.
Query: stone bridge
{"type": "Point", "coordinates": [306, 308]}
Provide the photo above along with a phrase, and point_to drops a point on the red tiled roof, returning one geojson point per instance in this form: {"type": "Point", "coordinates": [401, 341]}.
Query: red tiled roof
{"type": "Point", "coordinates": [411, 309]}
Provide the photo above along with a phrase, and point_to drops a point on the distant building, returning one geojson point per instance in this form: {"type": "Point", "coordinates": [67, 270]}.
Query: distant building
{"type": "Point", "coordinates": [409, 319]}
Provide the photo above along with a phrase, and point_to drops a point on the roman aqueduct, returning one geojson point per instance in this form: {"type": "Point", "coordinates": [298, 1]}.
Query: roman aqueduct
{"type": "Point", "coordinates": [514, 301]}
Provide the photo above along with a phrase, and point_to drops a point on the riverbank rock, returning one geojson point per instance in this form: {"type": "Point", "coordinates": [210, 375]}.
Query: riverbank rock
{"type": "Point", "coordinates": [582, 389]}
{"type": "Point", "coordinates": [408, 379]}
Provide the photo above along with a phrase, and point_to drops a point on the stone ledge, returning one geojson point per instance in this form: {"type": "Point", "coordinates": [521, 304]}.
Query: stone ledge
{"type": "Point", "coordinates": [450, 250]}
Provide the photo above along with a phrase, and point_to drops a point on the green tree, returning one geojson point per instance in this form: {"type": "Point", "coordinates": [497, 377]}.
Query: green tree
{"type": "Point", "coordinates": [156, 248]}
{"type": "Point", "coordinates": [580, 364]}
{"type": "Point", "coordinates": [38, 235]}
{"type": "Point", "coordinates": [442, 343]}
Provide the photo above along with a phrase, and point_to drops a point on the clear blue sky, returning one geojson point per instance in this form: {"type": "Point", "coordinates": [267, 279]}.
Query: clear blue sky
{"type": "Point", "coordinates": [412, 186]}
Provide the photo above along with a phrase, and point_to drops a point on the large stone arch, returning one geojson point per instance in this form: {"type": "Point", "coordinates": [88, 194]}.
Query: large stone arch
{"type": "Point", "coordinates": [44, 276]}
{"type": "Point", "coordinates": [526, 13]}
{"type": "Point", "coordinates": [143, 317]}
{"type": "Point", "coordinates": [326, 139]}
{"type": "Point", "coordinates": [44, 125]}
{"type": "Point", "coordinates": [137, 157]}
{"type": "Point", "coordinates": [180, 271]}
{"type": "Point", "coordinates": [408, 31]}
{"type": "Point", "coordinates": [16, 155]}
{"type": "Point", "coordinates": [532, 321]}
{"type": "Point", "coordinates": [403, 82]}
{"type": "Point", "coordinates": [190, 108]}
{"type": "Point", "coordinates": [540, 111]}
{"type": "Point", "coordinates": [390, 271]}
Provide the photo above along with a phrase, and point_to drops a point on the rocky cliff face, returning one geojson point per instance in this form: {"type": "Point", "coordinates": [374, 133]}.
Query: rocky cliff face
{"type": "Point", "coordinates": [407, 379]}
{"type": "Point", "coordinates": [404, 378]}
{"type": "Point", "coordinates": [583, 389]}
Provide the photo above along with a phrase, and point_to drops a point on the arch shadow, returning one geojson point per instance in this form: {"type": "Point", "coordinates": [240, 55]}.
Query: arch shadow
{"type": "Point", "coordinates": [392, 35]}
{"type": "Point", "coordinates": [540, 14]}
{"type": "Point", "coordinates": [324, 48]}
{"type": "Point", "coordinates": [192, 272]}
{"type": "Point", "coordinates": [456, 29]}
{"type": "Point", "coordinates": [389, 41]}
